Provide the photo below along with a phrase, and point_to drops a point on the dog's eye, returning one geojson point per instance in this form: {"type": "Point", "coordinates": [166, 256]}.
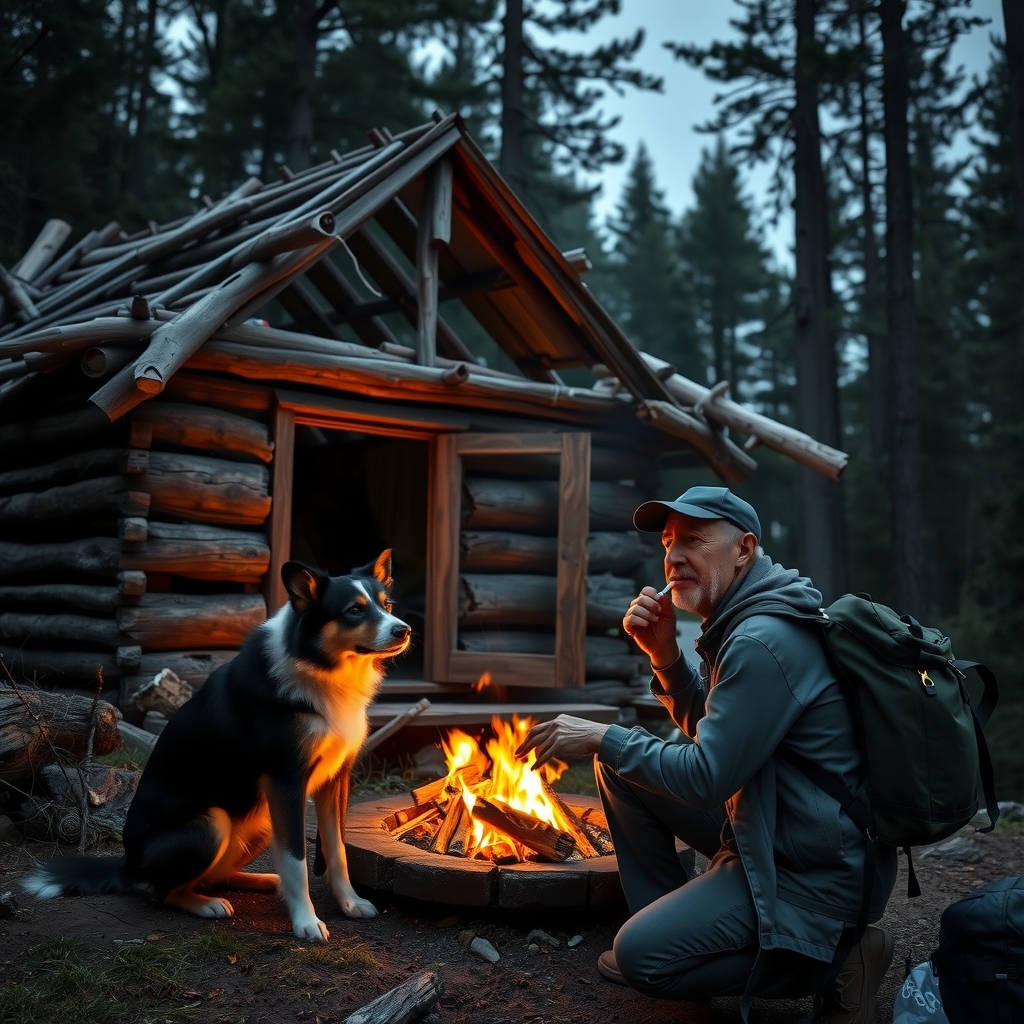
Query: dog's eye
{"type": "Point", "coordinates": [387, 605]}
{"type": "Point", "coordinates": [354, 609]}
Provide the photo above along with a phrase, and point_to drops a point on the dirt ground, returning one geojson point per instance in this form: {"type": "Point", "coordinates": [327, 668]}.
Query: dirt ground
{"type": "Point", "coordinates": [124, 959]}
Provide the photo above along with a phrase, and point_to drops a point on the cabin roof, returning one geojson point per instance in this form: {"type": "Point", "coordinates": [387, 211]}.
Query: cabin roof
{"type": "Point", "coordinates": [184, 294]}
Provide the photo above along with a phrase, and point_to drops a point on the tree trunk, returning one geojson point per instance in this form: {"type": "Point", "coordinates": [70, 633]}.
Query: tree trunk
{"type": "Point", "coordinates": [136, 170]}
{"type": "Point", "coordinates": [512, 162]}
{"type": "Point", "coordinates": [871, 312]}
{"type": "Point", "coordinates": [904, 462]}
{"type": "Point", "coordinates": [300, 117]}
{"type": "Point", "coordinates": [1013, 19]}
{"type": "Point", "coordinates": [817, 399]}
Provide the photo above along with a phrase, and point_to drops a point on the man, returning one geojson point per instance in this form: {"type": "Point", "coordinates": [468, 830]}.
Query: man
{"type": "Point", "coordinates": [782, 896]}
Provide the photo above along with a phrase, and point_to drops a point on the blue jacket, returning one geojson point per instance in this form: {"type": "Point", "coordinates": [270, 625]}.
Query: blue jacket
{"type": "Point", "coordinates": [763, 684]}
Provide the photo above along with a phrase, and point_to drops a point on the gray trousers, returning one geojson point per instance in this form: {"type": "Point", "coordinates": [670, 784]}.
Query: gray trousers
{"type": "Point", "coordinates": [688, 939]}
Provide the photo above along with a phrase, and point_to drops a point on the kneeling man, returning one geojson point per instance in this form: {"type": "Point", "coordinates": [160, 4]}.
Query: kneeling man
{"type": "Point", "coordinates": [780, 902]}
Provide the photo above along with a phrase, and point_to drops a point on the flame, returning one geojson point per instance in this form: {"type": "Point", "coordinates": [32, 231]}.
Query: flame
{"type": "Point", "coordinates": [482, 683]}
{"type": "Point", "coordinates": [511, 781]}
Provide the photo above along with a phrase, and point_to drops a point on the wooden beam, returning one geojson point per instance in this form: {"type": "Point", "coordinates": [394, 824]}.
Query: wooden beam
{"type": "Point", "coordinates": [571, 596]}
{"type": "Point", "coordinates": [346, 301]}
{"type": "Point", "coordinates": [279, 527]}
{"type": "Point", "coordinates": [297, 300]}
{"type": "Point", "coordinates": [443, 508]}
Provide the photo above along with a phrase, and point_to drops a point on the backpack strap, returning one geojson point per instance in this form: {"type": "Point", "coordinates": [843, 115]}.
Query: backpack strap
{"type": "Point", "coordinates": [989, 699]}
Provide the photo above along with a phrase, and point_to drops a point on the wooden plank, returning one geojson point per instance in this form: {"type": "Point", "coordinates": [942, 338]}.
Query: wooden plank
{"type": "Point", "coordinates": [510, 444]}
{"type": "Point", "coordinates": [439, 714]}
{"type": "Point", "coordinates": [571, 599]}
{"type": "Point", "coordinates": [505, 669]}
{"type": "Point", "coordinates": [443, 505]}
{"type": "Point", "coordinates": [279, 527]}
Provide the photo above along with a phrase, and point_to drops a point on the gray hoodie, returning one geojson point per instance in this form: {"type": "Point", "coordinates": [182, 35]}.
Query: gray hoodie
{"type": "Point", "coordinates": [763, 684]}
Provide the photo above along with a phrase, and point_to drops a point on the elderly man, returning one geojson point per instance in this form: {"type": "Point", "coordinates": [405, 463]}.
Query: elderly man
{"type": "Point", "coordinates": [780, 901]}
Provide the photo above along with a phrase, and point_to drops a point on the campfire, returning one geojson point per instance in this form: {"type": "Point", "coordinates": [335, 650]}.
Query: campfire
{"type": "Point", "coordinates": [491, 806]}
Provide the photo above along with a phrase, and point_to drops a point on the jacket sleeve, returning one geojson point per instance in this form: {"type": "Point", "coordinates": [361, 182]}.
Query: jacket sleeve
{"type": "Point", "coordinates": [680, 689]}
{"type": "Point", "coordinates": [748, 712]}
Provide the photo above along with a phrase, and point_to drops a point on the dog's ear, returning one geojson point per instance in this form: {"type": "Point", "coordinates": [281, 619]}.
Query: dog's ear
{"type": "Point", "coordinates": [382, 567]}
{"type": "Point", "coordinates": [305, 586]}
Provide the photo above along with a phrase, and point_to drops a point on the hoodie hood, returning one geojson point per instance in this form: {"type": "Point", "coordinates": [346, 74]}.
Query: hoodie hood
{"type": "Point", "coordinates": [767, 588]}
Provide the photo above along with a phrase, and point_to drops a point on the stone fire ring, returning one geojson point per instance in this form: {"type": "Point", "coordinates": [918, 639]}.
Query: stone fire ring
{"type": "Point", "coordinates": [377, 860]}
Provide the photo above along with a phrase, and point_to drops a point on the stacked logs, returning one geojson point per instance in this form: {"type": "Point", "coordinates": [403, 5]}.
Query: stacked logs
{"type": "Point", "coordinates": [508, 557]}
{"type": "Point", "coordinates": [144, 550]}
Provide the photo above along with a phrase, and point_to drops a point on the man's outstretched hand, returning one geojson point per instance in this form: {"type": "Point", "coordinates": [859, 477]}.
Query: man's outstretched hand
{"type": "Point", "coordinates": [563, 737]}
{"type": "Point", "coordinates": [650, 621]}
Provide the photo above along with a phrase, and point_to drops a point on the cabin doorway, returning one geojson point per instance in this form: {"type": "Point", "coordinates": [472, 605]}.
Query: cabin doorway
{"type": "Point", "coordinates": [354, 494]}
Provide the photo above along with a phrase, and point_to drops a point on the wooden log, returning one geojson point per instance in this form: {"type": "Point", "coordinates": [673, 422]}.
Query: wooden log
{"type": "Point", "coordinates": [287, 237]}
{"type": "Point", "coordinates": [165, 693]}
{"type": "Point", "coordinates": [35, 724]}
{"type": "Point", "coordinates": [132, 529]}
{"type": "Point", "coordinates": [334, 287]}
{"type": "Point", "coordinates": [17, 297]}
{"type": "Point", "coordinates": [80, 336]}
{"type": "Point", "coordinates": [107, 360]}
{"type": "Point", "coordinates": [397, 723]}
{"type": "Point", "coordinates": [496, 504]}
{"type": "Point", "coordinates": [461, 836]}
{"type": "Point", "coordinates": [194, 666]}
{"type": "Point", "coordinates": [205, 490]}
{"type": "Point", "coordinates": [191, 550]}
{"type": "Point", "coordinates": [457, 816]}
{"type": "Point", "coordinates": [584, 847]}
{"type": "Point", "coordinates": [605, 657]}
{"type": "Point", "coordinates": [790, 442]}
{"type": "Point", "coordinates": [407, 1002]}
{"type": "Point", "coordinates": [51, 429]}
{"type": "Point", "coordinates": [67, 667]}
{"type": "Point", "coordinates": [500, 551]}
{"type": "Point", "coordinates": [101, 494]}
{"type": "Point", "coordinates": [43, 250]}
{"type": "Point", "coordinates": [529, 600]}
{"type": "Point", "coordinates": [167, 622]}
{"type": "Point", "coordinates": [544, 839]}
{"type": "Point", "coordinates": [16, 627]}
{"type": "Point", "coordinates": [427, 815]}
{"type": "Point", "coordinates": [434, 229]}
{"type": "Point", "coordinates": [605, 464]}
{"type": "Point", "coordinates": [88, 242]}
{"type": "Point", "coordinates": [66, 595]}
{"type": "Point", "coordinates": [730, 462]}
{"type": "Point", "coordinates": [100, 462]}
{"type": "Point", "coordinates": [432, 792]}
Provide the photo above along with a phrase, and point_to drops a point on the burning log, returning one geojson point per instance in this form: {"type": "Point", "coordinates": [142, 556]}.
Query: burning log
{"type": "Point", "coordinates": [469, 776]}
{"type": "Point", "coordinates": [425, 816]}
{"type": "Point", "coordinates": [539, 836]}
{"type": "Point", "coordinates": [408, 1002]}
{"type": "Point", "coordinates": [457, 818]}
{"type": "Point", "coordinates": [581, 838]}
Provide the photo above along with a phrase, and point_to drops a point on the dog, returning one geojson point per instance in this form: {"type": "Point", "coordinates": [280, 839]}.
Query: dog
{"type": "Point", "coordinates": [231, 772]}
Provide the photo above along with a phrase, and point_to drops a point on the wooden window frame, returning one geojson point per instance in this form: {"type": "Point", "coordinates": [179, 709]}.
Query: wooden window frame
{"type": "Point", "coordinates": [442, 661]}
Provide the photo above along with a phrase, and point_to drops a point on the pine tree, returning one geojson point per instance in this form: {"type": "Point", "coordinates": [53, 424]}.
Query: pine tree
{"type": "Point", "coordinates": [653, 308]}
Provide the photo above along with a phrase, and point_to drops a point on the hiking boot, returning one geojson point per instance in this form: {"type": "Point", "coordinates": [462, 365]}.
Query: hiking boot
{"type": "Point", "coordinates": [852, 998]}
{"type": "Point", "coordinates": [609, 968]}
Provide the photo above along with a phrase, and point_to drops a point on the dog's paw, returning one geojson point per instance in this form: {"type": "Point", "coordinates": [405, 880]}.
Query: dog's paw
{"type": "Point", "coordinates": [215, 908]}
{"type": "Point", "coordinates": [312, 929]}
{"type": "Point", "coordinates": [355, 906]}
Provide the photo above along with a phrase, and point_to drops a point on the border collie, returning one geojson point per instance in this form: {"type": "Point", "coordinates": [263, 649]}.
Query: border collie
{"type": "Point", "coordinates": [230, 774]}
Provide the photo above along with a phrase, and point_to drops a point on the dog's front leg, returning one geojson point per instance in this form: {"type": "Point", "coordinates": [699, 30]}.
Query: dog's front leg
{"type": "Point", "coordinates": [287, 802]}
{"type": "Point", "coordinates": [331, 803]}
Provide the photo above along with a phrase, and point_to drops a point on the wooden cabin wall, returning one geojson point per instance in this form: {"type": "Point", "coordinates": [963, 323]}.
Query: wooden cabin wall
{"type": "Point", "coordinates": [157, 553]}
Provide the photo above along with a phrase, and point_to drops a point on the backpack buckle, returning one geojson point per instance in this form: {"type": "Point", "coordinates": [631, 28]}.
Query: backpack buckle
{"type": "Point", "coordinates": [927, 682]}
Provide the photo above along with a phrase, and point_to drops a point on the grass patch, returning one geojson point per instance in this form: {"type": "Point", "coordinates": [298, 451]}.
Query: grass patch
{"type": "Point", "coordinates": [124, 757]}
{"type": "Point", "coordinates": [341, 954]}
{"type": "Point", "coordinates": [376, 777]}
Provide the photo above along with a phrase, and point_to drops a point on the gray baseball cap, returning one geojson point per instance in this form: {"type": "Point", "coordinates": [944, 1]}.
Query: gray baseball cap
{"type": "Point", "coordinates": [700, 503]}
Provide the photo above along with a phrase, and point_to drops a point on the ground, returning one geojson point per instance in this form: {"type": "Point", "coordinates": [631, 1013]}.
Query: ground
{"type": "Point", "coordinates": [124, 959]}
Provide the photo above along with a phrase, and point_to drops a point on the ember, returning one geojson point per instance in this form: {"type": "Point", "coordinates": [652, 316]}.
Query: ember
{"type": "Point", "coordinates": [491, 806]}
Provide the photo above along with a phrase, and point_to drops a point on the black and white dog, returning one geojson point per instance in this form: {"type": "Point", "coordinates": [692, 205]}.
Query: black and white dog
{"type": "Point", "coordinates": [230, 774]}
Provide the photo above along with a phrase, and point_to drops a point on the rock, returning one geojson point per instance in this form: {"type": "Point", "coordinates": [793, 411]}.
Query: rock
{"type": "Point", "coordinates": [543, 939]}
{"type": "Point", "coordinates": [533, 948]}
{"type": "Point", "coordinates": [1010, 811]}
{"type": "Point", "coordinates": [483, 949]}
{"type": "Point", "coordinates": [154, 722]}
{"type": "Point", "coordinates": [574, 941]}
{"type": "Point", "coordinates": [8, 904]}
{"type": "Point", "coordinates": [466, 936]}
{"type": "Point", "coordinates": [958, 850]}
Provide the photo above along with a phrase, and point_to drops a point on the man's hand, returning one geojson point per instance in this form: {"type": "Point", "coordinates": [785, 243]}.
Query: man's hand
{"type": "Point", "coordinates": [563, 737]}
{"type": "Point", "coordinates": [650, 621]}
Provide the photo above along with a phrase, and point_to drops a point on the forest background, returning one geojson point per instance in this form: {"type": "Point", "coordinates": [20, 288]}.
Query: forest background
{"type": "Point", "coordinates": [896, 334]}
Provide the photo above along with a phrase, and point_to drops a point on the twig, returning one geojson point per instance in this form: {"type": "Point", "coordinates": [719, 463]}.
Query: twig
{"type": "Point", "coordinates": [90, 739]}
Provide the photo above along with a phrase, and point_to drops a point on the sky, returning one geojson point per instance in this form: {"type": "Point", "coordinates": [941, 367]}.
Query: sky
{"type": "Point", "coordinates": [666, 123]}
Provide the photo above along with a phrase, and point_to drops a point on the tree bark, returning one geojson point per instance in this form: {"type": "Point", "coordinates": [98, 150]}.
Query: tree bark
{"type": "Point", "coordinates": [512, 161]}
{"type": "Point", "coordinates": [904, 463]}
{"type": "Point", "coordinates": [300, 117]}
{"type": "Point", "coordinates": [817, 399]}
{"type": "Point", "coordinates": [1013, 20]}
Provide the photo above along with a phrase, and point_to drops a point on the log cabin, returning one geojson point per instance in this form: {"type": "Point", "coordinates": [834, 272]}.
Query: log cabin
{"type": "Point", "coordinates": [384, 350]}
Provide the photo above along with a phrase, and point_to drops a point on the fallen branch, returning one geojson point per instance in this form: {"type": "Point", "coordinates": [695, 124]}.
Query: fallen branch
{"type": "Point", "coordinates": [398, 722]}
{"type": "Point", "coordinates": [403, 1004]}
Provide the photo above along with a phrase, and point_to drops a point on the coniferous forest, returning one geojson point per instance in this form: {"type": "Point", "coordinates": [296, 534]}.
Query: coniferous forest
{"type": "Point", "coordinates": [895, 332]}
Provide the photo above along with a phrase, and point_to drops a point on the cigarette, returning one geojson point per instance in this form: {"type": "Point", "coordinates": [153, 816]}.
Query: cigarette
{"type": "Point", "coordinates": [668, 587]}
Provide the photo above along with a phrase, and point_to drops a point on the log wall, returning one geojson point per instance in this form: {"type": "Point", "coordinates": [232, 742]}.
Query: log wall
{"type": "Point", "coordinates": [143, 550]}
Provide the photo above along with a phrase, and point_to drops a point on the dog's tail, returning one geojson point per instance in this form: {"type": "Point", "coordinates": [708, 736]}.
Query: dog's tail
{"type": "Point", "coordinates": [79, 875]}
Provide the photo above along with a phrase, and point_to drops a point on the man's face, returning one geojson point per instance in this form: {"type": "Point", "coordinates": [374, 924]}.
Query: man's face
{"type": "Point", "coordinates": [705, 556]}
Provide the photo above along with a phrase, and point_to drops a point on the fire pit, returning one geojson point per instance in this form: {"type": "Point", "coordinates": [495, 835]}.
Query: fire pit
{"type": "Point", "coordinates": [492, 831]}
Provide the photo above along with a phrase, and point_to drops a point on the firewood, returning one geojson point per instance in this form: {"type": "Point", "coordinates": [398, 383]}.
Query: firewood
{"type": "Point", "coordinates": [453, 819]}
{"type": "Point", "coordinates": [35, 723]}
{"type": "Point", "coordinates": [165, 693]}
{"type": "Point", "coordinates": [389, 729]}
{"type": "Point", "coordinates": [406, 1003]}
{"type": "Point", "coordinates": [428, 814]}
{"type": "Point", "coordinates": [584, 846]}
{"type": "Point", "coordinates": [101, 462]}
{"type": "Point", "coordinates": [469, 775]}
{"type": "Point", "coordinates": [102, 494]}
{"type": "Point", "coordinates": [195, 426]}
{"type": "Point", "coordinates": [461, 836]}
{"type": "Point", "coordinates": [539, 836]}
{"type": "Point", "coordinates": [41, 252]}
{"type": "Point", "coordinates": [397, 818]}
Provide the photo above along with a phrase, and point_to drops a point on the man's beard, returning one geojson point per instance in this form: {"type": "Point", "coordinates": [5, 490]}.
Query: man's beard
{"type": "Point", "coordinates": [703, 595]}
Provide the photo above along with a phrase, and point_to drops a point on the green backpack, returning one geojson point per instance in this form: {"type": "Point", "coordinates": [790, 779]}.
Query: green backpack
{"type": "Point", "coordinates": [922, 744]}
